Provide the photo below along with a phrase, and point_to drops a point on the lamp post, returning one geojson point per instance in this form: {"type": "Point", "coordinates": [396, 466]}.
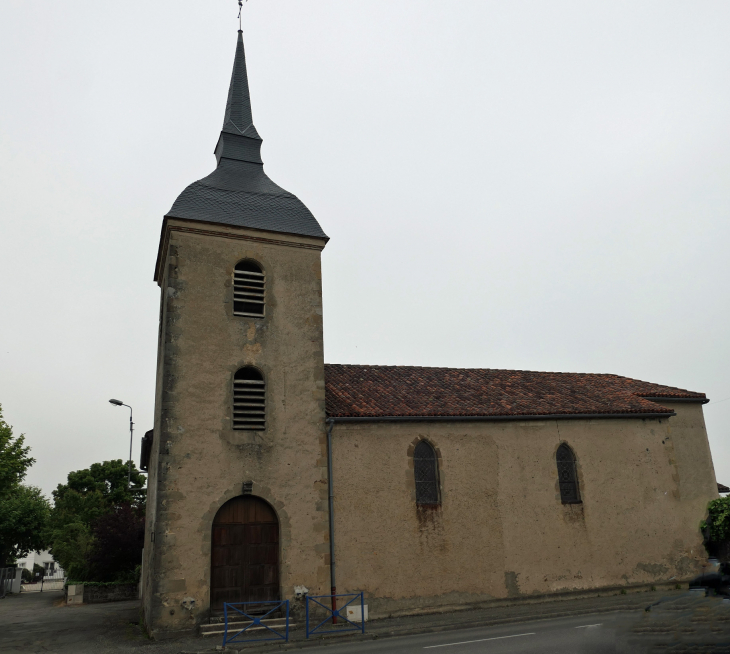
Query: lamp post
{"type": "Point", "coordinates": [131, 432]}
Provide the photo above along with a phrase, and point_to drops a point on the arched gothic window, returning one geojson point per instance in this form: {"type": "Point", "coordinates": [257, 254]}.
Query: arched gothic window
{"type": "Point", "coordinates": [249, 400]}
{"type": "Point", "coordinates": [425, 468]}
{"type": "Point", "coordinates": [248, 289]}
{"type": "Point", "coordinates": [567, 476]}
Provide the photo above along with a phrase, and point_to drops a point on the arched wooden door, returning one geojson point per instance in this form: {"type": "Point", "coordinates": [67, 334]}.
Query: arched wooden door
{"type": "Point", "coordinates": [245, 553]}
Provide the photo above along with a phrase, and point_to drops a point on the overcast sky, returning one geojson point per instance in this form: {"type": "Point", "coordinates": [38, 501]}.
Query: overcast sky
{"type": "Point", "coordinates": [526, 184]}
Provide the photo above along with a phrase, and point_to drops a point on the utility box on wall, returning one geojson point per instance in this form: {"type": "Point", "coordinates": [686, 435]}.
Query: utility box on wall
{"type": "Point", "coordinates": [75, 594]}
{"type": "Point", "coordinates": [15, 586]}
{"type": "Point", "coordinates": [354, 613]}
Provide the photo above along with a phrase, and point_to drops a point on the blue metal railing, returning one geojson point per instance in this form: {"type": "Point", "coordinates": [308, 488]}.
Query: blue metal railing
{"type": "Point", "coordinates": [255, 621]}
{"type": "Point", "coordinates": [333, 614]}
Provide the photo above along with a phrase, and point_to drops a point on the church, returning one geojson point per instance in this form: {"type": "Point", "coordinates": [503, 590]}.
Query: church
{"type": "Point", "coordinates": [424, 488]}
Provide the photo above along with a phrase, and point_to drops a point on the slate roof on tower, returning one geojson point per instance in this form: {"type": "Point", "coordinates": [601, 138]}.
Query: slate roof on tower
{"type": "Point", "coordinates": [380, 392]}
{"type": "Point", "coordinates": [238, 192]}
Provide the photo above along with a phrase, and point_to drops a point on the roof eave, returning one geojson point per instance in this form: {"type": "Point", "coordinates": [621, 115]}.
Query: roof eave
{"type": "Point", "coordinates": [163, 238]}
{"type": "Point", "coordinates": [697, 400]}
{"type": "Point", "coordinates": [553, 416]}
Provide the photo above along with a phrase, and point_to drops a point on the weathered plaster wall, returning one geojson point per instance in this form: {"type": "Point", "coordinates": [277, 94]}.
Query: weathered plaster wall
{"type": "Point", "coordinates": [502, 530]}
{"type": "Point", "coordinates": [390, 549]}
{"type": "Point", "coordinates": [198, 462]}
{"type": "Point", "coordinates": [691, 452]}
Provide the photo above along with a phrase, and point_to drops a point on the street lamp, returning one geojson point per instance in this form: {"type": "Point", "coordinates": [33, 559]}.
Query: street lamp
{"type": "Point", "coordinates": [131, 432]}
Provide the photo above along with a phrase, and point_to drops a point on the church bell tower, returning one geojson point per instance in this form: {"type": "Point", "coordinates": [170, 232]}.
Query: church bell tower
{"type": "Point", "coordinates": [236, 507]}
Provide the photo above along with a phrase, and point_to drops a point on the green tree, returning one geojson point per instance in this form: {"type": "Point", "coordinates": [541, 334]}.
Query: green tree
{"type": "Point", "coordinates": [24, 510]}
{"type": "Point", "coordinates": [71, 546]}
{"type": "Point", "coordinates": [717, 525]}
{"type": "Point", "coordinates": [14, 459]}
{"type": "Point", "coordinates": [24, 515]}
{"type": "Point", "coordinates": [89, 494]}
{"type": "Point", "coordinates": [81, 502]}
{"type": "Point", "coordinates": [118, 543]}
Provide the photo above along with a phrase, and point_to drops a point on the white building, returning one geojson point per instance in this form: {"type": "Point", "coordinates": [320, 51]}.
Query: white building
{"type": "Point", "coordinates": [45, 560]}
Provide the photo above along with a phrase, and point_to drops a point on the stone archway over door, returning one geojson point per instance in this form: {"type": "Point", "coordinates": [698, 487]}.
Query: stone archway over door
{"type": "Point", "coordinates": [245, 553]}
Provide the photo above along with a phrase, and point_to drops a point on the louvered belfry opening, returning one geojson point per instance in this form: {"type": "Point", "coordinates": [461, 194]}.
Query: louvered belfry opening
{"type": "Point", "coordinates": [426, 473]}
{"type": "Point", "coordinates": [248, 289]}
{"type": "Point", "coordinates": [249, 400]}
{"type": "Point", "coordinates": [567, 476]}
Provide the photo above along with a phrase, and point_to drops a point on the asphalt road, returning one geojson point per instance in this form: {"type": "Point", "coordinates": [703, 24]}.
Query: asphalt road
{"type": "Point", "coordinates": [39, 623]}
{"type": "Point", "coordinates": [594, 633]}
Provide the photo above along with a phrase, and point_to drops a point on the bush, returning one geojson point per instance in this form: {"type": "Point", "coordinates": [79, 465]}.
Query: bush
{"type": "Point", "coordinates": [34, 575]}
{"type": "Point", "coordinates": [716, 528]}
{"type": "Point", "coordinates": [717, 525]}
{"type": "Point", "coordinates": [118, 541]}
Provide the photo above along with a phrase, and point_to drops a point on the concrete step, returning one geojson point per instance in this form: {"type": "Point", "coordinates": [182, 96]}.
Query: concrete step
{"type": "Point", "coordinates": [219, 628]}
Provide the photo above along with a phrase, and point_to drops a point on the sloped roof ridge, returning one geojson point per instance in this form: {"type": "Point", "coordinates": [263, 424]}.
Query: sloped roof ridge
{"type": "Point", "coordinates": [372, 391]}
{"type": "Point", "coordinates": [518, 370]}
{"type": "Point", "coordinates": [398, 365]}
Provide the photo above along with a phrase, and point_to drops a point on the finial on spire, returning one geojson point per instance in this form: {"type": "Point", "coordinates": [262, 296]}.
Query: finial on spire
{"type": "Point", "coordinates": [240, 9]}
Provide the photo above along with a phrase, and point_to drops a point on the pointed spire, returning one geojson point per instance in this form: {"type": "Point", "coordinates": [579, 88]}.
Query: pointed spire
{"type": "Point", "coordinates": [238, 119]}
{"type": "Point", "coordinates": [238, 192]}
{"type": "Point", "coordinates": [239, 139]}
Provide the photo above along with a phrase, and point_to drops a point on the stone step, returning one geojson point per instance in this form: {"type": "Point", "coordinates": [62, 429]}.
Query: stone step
{"type": "Point", "coordinates": [220, 628]}
{"type": "Point", "coordinates": [218, 617]}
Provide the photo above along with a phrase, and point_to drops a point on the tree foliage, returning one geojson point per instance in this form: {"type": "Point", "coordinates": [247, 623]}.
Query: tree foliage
{"type": "Point", "coordinates": [24, 515]}
{"type": "Point", "coordinates": [24, 510]}
{"type": "Point", "coordinates": [118, 542]}
{"type": "Point", "coordinates": [717, 524]}
{"type": "Point", "coordinates": [93, 503]}
{"type": "Point", "coordinates": [89, 494]}
{"type": "Point", "coordinates": [71, 546]}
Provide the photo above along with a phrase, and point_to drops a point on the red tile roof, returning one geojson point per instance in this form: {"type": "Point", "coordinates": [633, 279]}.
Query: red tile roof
{"type": "Point", "coordinates": [409, 391]}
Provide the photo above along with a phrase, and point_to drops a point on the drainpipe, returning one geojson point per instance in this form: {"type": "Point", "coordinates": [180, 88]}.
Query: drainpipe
{"type": "Point", "coordinates": [330, 488]}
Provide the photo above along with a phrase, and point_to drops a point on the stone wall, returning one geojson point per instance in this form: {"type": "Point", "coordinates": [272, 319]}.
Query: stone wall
{"type": "Point", "coordinates": [111, 593]}
{"type": "Point", "coordinates": [198, 462]}
{"type": "Point", "coordinates": [96, 594]}
{"type": "Point", "coordinates": [501, 529]}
